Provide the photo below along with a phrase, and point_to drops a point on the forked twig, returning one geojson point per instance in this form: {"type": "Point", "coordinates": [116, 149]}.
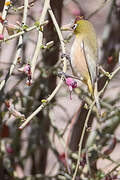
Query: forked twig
{"type": "Point", "coordinates": [64, 67]}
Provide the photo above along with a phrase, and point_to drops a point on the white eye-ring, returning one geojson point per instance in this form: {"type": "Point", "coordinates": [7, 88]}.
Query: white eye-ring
{"type": "Point", "coordinates": [74, 26]}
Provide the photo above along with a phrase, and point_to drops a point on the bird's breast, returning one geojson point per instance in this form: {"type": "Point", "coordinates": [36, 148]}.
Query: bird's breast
{"type": "Point", "coordinates": [78, 61]}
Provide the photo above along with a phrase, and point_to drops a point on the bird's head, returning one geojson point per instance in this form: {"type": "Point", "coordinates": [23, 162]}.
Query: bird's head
{"type": "Point", "coordinates": [80, 25]}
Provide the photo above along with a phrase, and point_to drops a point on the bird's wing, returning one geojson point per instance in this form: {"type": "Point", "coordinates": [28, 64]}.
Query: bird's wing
{"type": "Point", "coordinates": [90, 57]}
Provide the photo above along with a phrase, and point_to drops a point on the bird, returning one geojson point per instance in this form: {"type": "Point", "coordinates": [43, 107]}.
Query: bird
{"type": "Point", "coordinates": [84, 58]}
{"type": "Point", "coordinates": [84, 52]}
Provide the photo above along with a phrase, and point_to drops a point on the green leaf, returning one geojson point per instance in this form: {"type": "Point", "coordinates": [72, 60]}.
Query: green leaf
{"type": "Point", "coordinates": [24, 27]}
{"type": "Point", "coordinates": [37, 24]}
{"type": "Point", "coordinates": [42, 46]}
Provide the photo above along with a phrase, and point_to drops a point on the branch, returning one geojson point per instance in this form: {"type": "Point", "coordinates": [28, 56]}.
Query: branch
{"type": "Point", "coordinates": [81, 140]}
{"type": "Point", "coordinates": [64, 70]}
{"type": "Point", "coordinates": [25, 11]}
{"type": "Point", "coordinates": [40, 37]}
{"type": "Point", "coordinates": [23, 32]}
{"type": "Point", "coordinates": [20, 41]}
{"type": "Point", "coordinates": [112, 169]}
{"type": "Point", "coordinates": [97, 10]}
{"type": "Point", "coordinates": [4, 14]}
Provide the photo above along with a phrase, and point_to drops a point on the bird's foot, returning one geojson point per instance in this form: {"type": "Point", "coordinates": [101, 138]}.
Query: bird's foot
{"type": "Point", "coordinates": [66, 56]}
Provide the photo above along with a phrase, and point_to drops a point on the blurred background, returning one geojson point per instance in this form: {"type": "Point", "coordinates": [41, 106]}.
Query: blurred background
{"type": "Point", "coordinates": [38, 151]}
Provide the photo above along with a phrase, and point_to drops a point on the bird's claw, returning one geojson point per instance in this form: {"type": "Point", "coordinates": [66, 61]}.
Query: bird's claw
{"type": "Point", "coordinates": [66, 56]}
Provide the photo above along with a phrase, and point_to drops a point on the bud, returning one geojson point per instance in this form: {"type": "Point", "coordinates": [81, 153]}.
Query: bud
{"type": "Point", "coordinates": [1, 37]}
{"type": "Point", "coordinates": [71, 83]}
{"type": "Point", "coordinates": [9, 149]}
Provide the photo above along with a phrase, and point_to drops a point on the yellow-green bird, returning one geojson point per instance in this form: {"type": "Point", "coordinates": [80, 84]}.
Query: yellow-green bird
{"type": "Point", "coordinates": [84, 52]}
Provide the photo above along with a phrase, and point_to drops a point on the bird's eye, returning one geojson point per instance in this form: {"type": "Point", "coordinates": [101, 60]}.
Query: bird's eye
{"type": "Point", "coordinates": [74, 26]}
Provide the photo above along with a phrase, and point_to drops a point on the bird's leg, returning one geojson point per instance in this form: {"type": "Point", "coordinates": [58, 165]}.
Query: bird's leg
{"type": "Point", "coordinates": [67, 57]}
{"type": "Point", "coordinates": [62, 74]}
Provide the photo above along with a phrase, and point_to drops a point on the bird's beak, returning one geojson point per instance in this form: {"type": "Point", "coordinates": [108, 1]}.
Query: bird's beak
{"type": "Point", "coordinates": [67, 27]}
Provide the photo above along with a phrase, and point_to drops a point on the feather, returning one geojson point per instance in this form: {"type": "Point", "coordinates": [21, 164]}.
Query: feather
{"type": "Point", "coordinates": [91, 63]}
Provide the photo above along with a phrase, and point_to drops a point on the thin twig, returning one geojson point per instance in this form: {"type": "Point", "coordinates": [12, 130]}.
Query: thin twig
{"type": "Point", "coordinates": [25, 12]}
{"type": "Point", "coordinates": [4, 14]}
{"type": "Point", "coordinates": [23, 32]}
{"type": "Point", "coordinates": [81, 139]}
{"type": "Point", "coordinates": [64, 69]}
{"type": "Point", "coordinates": [29, 5]}
{"type": "Point", "coordinates": [88, 163]}
{"type": "Point", "coordinates": [112, 170]}
{"type": "Point", "coordinates": [98, 9]}
{"type": "Point", "coordinates": [40, 37]}
{"type": "Point", "coordinates": [20, 41]}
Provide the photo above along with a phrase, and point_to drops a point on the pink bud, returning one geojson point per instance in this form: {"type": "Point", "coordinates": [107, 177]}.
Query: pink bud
{"type": "Point", "coordinates": [71, 83]}
{"type": "Point", "coordinates": [75, 12]}
{"type": "Point", "coordinates": [9, 149]}
{"type": "Point", "coordinates": [74, 8]}
{"type": "Point", "coordinates": [1, 37]}
{"type": "Point", "coordinates": [27, 69]}
{"type": "Point", "coordinates": [62, 158]}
